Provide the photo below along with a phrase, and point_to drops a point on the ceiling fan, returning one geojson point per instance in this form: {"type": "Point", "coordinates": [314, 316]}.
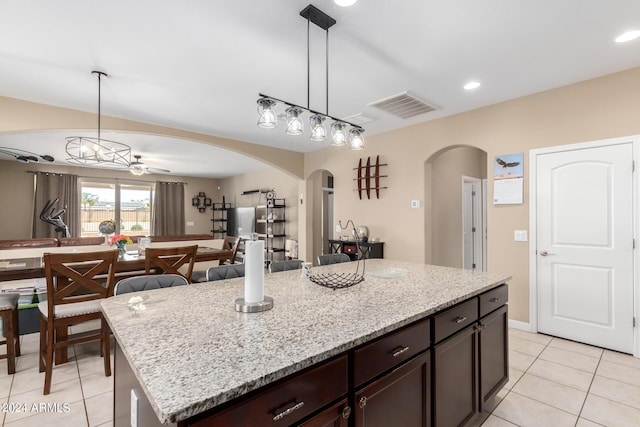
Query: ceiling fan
{"type": "Point", "coordinates": [137, 167]}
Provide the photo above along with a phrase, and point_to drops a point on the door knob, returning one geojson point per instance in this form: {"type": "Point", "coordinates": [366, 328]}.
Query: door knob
{"type": "Point", "coordinates": [545, 253]}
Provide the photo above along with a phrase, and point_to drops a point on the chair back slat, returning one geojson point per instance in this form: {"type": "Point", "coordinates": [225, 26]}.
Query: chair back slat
{"type": "Point", "coordinates": [169, 260]}
{"type": "Point", "coordinates": [77, 277]}
{"type": "Point", "coordinates": [145, 283]}
{"type": "Point", "coordinates": [231, 243]}
{"type": "Point", "coordinates": [290, 264]}
{"type": "Point", "coordinates": [222, 272]}
{"type": "Point", "coordinates": [333, 259]}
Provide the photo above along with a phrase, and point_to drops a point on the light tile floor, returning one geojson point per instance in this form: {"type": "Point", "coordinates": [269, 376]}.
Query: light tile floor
{"type": "Point", "coordinates": [553, 383]}
{"type": "Point", "coordinates": [80, 395]}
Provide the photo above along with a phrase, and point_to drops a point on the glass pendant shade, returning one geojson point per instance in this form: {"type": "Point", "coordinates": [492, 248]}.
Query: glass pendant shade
{"type": "Point", "coordinates": [318, 132]}
{"type": "Point", "coordinates": [338, 135]}
{"type": "Point", "coordinates": [136, 171]}
{"type": "Point", "coordinates": [295, 126]}
{"type": "Point", "coordinates": [357, 142]}
{"type": "Point", "coordinates": [267, 111]}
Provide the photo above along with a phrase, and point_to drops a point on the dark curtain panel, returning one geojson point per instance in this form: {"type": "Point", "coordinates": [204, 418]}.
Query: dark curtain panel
{"type": "Point", "coordinates": [168, 209]}
{"type": "Point", "coordinates": [51, 186]}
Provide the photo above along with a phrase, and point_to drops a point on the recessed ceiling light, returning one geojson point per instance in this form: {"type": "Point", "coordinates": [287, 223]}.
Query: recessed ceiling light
{"type": "Point", "coordinates": [628, 36]}
{"type": "Point", "coordinates": [345, 3]}
{"type": "Point", "coordinates": [472, 85]}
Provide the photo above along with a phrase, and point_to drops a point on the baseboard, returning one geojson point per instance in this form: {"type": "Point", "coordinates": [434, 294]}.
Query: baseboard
{"type": "Point", "coordinates": [516, 324]}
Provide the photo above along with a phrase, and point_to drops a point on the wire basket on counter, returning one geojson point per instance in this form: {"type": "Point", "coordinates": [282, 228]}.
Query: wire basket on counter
{"type": "Point", "coordinates": [342, 280]}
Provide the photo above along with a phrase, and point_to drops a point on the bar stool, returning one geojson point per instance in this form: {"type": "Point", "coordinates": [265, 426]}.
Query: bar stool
{"type": "Point", "coordinates": [9, 314]}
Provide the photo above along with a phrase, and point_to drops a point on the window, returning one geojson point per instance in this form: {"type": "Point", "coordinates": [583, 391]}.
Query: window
{"type": "Point", "coordinates": [128, 204]}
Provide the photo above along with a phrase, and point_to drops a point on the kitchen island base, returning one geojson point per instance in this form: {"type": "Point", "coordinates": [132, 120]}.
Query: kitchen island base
{"type": "Point", "coordinates": [458, 354]}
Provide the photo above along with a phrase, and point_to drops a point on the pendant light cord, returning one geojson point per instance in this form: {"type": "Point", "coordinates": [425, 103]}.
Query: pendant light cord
{"type": "Point", "coordinates": [308, 65]}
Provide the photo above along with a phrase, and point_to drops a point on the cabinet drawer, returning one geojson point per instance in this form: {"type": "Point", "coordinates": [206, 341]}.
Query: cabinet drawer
{"type": "Point", "coordinates": [493, 299]}
{"type": "Point", "coordinates": [287, 402]}
{"type": "Point", "coordinates": [387, 352]}
{"type": "Point", "coordinates": [454, 319]}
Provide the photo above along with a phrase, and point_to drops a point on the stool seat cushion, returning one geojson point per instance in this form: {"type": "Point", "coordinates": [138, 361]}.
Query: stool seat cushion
{"type": "Point", "coordinates": [8, 301]}
{"type": "Point", "coordinates": [70, 310]}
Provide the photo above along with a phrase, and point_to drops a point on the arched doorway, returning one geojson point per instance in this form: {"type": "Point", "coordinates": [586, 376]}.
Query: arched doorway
{"type": "Point", "coordinates": [319, 213]}
{"type": "Point", "coordinates": [447, 173]}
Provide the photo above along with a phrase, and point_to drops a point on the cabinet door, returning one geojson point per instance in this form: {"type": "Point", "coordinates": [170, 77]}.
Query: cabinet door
{"type": "Point", "coordinates": [494, 353]}
{"type": "Point", "coordinates": [455, 379]}
{"type": "Point", "coordinates": [400, 398]}
{"type": "Point", "coordinates": [336, 416]}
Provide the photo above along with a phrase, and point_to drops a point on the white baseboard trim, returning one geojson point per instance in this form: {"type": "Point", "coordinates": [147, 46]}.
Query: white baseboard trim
{"type": "Point", "coordinates": [516, 324]}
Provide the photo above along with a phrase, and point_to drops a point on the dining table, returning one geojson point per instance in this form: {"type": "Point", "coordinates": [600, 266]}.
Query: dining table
{"type": "Point", "coordinates": [130, 262]}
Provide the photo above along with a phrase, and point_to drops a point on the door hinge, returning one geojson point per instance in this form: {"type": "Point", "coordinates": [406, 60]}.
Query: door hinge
{"type": "Point", "coordinates": [633, 166]}
{"type": "Point", "coordinates": [473, 193]}
{"type": "Point", "coordinates": [473, 266]}
{"type": "Point", "coordinates": [473, 229]}
{"type": "Point", "coordinates": [634, 322]}
{"type": "Point", "coordinates": [634, 243]}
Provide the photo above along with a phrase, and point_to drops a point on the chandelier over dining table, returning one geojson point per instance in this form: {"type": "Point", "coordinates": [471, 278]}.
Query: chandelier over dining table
{"type": "Point", "coordinates": [342, 132]}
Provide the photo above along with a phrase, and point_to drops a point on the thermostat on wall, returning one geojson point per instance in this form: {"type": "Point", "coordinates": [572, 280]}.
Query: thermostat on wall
{"type": "Point", "coordinates": [415, 204]}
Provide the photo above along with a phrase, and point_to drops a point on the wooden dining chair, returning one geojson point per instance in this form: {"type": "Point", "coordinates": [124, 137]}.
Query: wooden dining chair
{"type": "Point", "coordinates": [9, 315]}
{"type": "Point", "coordinates": [76, 283]}
{"type": "Point", "coordinates": [169, 260]}
{"type": "Point", "coordinates": [231, 243]}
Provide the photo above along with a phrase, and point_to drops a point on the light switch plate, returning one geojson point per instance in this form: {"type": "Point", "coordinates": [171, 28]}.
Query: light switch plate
{"type": "Point", "coordinates": [190, 223]}
{"type": "Point", "coordinates": [415, 204]}
{"type": "Point", "coordinates": [520, 235]}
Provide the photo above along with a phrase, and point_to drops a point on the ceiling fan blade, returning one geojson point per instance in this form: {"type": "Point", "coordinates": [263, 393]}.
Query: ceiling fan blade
{"type": "Point", "coordinates": [157, 170]}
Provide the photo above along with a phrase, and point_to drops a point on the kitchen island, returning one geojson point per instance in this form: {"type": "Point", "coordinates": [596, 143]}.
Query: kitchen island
{"type": "Point", "coordinates": [189, 353]}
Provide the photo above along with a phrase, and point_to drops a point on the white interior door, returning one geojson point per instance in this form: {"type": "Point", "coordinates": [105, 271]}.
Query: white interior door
{"type": "Point", "coordinates": [585, 269]}
{"type": "Point", "coordinates": [472, 224]}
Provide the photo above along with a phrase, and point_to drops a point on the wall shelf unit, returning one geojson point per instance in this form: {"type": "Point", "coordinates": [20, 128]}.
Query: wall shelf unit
{"type": "Point", "coordinates": [219, 219]}
{"type": "Point", "coordinates": [271, 227]}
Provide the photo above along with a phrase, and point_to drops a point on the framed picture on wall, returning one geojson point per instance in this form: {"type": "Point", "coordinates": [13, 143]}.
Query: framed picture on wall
{"type": "Point", "coordinates": [508, 178]}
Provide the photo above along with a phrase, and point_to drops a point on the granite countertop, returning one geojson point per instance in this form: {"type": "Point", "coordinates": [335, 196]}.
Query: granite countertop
{"type": "Point", "coordinates": [191, 351]}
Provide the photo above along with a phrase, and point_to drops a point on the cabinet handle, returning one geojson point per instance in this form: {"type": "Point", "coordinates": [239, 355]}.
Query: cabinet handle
{"type": "Point", "coordinates": [495, 300]}
{"type": "Point", "coordinates": [287, 411]}
{"type": "Point", "coordinates": [460, 319]}
{"type": "Point", "coordinates": [346, 412]}
{"type": "Point", "coordinates": [362, 402]}
{"type": "Point", "coordinates": [400, 350]}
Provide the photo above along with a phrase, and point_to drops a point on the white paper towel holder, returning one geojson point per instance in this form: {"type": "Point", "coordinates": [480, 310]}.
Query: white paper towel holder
{"type": "Point", "coordinates": [254, 307]}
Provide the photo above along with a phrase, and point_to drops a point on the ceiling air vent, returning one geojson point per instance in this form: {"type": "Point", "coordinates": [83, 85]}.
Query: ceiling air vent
{"type": "Point", "coordinates": [403, 105]}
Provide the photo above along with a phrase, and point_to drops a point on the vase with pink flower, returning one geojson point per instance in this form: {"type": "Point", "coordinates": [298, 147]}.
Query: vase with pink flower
{"type": "Point", "coordinates": [120, 240]}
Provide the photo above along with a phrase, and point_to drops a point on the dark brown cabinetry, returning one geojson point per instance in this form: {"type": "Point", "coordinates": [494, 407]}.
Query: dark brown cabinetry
{"type": "Point", "coordinates": [287, 402]}
{"type": "Point", "coordinates": [470, 366]}
{"type": "Point", "coordinates": [336, 416]}
{"type": "Point", "coordinates": [349, 247]}
{"type": "Point", "coordinates": [400, 398]}
{"type": "Point", "coordinates": [494, 354]}
{"type": "Point", "coordinates": [439, 371]}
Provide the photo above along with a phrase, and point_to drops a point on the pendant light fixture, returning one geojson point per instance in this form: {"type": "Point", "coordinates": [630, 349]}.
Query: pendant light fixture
{"type": "Point", "coordinates": [90, 151]}
{"type": "Point", "coordinates": [268, 118]}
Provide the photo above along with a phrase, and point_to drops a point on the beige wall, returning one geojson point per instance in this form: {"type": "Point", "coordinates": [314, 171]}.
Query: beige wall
{"type": "Point", "coordinates": [597, 109]}
{"type": "Point", "coordinates": [445, 204]}
{"type": "Point", "coordinates": [16, 193]}
{"type": "Point", "coordinates": [285, 186]}
{"type": "Point", "coordinates": [602, 108]}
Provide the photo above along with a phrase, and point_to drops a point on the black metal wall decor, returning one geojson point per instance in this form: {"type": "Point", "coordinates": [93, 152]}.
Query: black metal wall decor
{"type": "Point", "coordinates": [201, 201]}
